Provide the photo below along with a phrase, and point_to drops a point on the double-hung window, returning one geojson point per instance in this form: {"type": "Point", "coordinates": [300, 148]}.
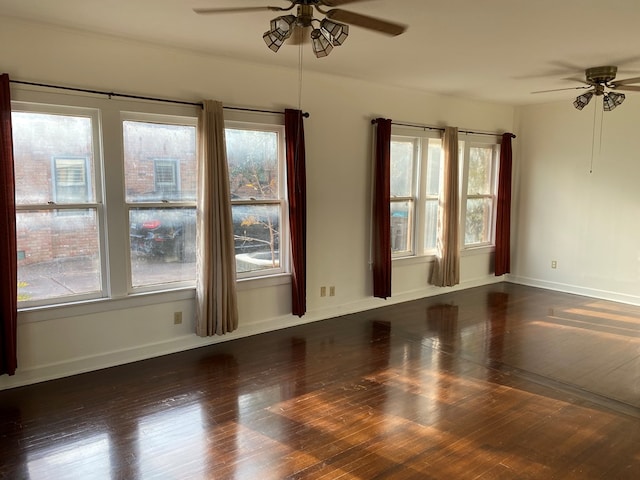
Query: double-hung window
{"type": "Point", "coordinates": [160, 198]}
{"type": "Point", "coordinates": [415, 181]}
{"type": "Point", "coordinates": [255, 156]}
{"type": "Point", "coordinates": [59, 208]}
{"type": "Point", "coordinates": [479, 192]}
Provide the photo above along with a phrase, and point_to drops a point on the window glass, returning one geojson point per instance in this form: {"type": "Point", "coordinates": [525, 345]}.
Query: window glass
{"type": "Point", "coordinates": [160, 181]}
{"type": "Point", "coordinates": [254, 161]}
{"type": "Point", "coordinates": [415, 185]}
{"type": "Point", "coordinates": [58, 255]}
{"type": "Point", "coordinates": [256, 230]}
{"type": "Point", "coordinates": [478, 221]}
{"type": "Point", "coordinates": [480, 171]}
{"type": "Point", "coordinates": [59, 251]}
{"type": "Point", "coordinates": [163, 245]}
{"type": "Point", "coordinates": [159, 161]}
{"type": "Point", "coordinates": [49, 147]}
{"type": "Point", "coordinates": [401, 221]}
{"type": "Point", "coordinates": [252, 156]}
{"type": "Point", "coordinates": [480, 193]}
{"type": "Point", "coordinates": [402, 160]}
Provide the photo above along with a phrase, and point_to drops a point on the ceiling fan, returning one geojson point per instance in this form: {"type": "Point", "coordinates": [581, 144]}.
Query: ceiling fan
{"type": "Point", "coordinates": [598, 80]}
{"type": "Point", "coordinates": [324, 34]}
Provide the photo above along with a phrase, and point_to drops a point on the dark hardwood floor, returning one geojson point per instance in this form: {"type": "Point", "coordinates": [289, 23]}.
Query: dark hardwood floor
{"type": "Point", "coordinates": [496, 382]}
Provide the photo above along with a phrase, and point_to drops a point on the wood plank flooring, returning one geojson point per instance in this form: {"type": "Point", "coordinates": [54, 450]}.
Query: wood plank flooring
{"type": "Point", "coordinates": [497, 382]}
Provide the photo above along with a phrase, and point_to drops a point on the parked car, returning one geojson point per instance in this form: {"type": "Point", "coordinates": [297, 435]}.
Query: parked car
{"type": "Point", "coordinates": [170, 233]}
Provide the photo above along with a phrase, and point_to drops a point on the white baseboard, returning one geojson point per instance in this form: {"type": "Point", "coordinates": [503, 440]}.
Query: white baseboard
{"type": "Point", "coordinates": [575, 289]}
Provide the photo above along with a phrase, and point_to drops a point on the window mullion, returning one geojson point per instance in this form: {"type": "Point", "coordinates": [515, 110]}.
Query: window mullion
{"type": "Point", "coordinates": [116, 233]}
{"type": "Point", "coordinates": [420, 176]}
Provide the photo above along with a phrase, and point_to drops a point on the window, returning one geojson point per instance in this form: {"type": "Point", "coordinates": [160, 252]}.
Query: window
{"type": "Point", "coordinates": [415, 186]}
{"type": "Point", "coordinates": [255, 162]}
{"type": "Point", "coordinates": [106, 196]}
{"type": "Point", "coordinates": [479, 193]}
{"type": "Point", "coordinates": [160, 198]}
{"type": "Point", "coordinates": [59, 213]}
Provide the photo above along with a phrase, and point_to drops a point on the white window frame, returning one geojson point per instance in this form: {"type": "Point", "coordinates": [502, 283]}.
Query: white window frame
{"type": "Point", "coordinates": [267, 123]}
{"type": "Point", "coordinates": [96, 205]}
{"type": "Point", "coordinates": [466, 143]}
{"type": "Point", "coordinates": [419, 196]}
{"type": "Point", "coordinates": [145, 117]}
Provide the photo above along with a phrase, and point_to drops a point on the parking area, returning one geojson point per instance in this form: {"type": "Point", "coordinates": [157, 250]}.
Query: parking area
{"type": "Point", "coordinates": [80, 275]}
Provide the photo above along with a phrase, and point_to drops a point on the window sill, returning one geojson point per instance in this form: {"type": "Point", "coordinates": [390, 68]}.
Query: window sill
{"type": "Point", "coordinates": [52, 312]}
{"type": "Point", "coordinates": [413, 260]}
{"type": "Point", "coordinates": [479, 250]}
{"type": "Point", "coordinates": [244, 284]}
{"type": "Point", "coordinates": [88, 307]}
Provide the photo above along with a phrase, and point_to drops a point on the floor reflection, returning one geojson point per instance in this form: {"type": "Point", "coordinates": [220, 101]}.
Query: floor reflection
{"type": "Point", "coordinates": [86, 457]}
{"type": "Point", "coordinates": [173, 440]}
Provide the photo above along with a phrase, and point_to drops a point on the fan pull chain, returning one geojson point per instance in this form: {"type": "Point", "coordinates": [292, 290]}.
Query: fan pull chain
{"type": "Point", "coordinates": [300, 54]}
{"type": "Point", "coordinates": [593, 141]}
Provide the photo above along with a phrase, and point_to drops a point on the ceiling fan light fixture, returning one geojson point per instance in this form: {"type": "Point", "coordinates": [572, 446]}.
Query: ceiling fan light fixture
{"type": "Point", "coordinates": [337, 32]}
{"type": "Point", "coordinates": [273, 39]}
{"type": "Point", "coordinates": [583, 100]}
{"type": "Point", "coordinates": [283, 25]}
{"type": "Point", "coordinates": [612, 100]}
{"type": "Point", "coordinates": [321, 43]}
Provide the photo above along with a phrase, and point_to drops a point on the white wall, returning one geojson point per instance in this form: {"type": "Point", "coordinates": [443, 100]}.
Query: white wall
{"type": "Point", "coordinates": [587, 222]}
{"type": "Point", "coordinates": [338, 137]}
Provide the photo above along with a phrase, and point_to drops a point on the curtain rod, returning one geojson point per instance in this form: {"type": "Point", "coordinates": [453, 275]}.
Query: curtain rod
{"type": "Point", "coordinates": [139, 97]}
{"type": "Point", "coordinates": [440, 129]}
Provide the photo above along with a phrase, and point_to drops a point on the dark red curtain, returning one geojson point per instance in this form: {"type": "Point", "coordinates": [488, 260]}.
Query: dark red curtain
{"type": "Point", "coordinates": [503, 219]}
{"type": "Point", "coordinates": [381, 210]}
{"type": "Point", "coordinates": [297, 191]}
{"type": "Point", "coordinates": [8, 250]}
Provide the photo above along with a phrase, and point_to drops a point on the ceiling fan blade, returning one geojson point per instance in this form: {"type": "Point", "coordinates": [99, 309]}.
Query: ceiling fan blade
{"type": "Point", "coordinates": [561, 89]}
{"type": "Point", "coordinates": [626, 81]}
{"type": "Point", "coordinates": [365, 21]}
{"type": "Point", "coordinates": [236, 9]}
{"type": "Point", "coordinates": [627, 88]}
{"type": "Point", "coordinates": [337, 3]}
{"type": "Point", "coordinates": [576, 79]}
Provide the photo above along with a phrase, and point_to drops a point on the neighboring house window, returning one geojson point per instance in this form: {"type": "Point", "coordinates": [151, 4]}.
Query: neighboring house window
{"type": "Point", "coordinates": [59, 211]}
{"type": "Point", "coordinates": [161, 202]}
{"type": "Point", "coordinates": [166, 173]}
{"type": "Point", "coordinates": [415, 181]}
{"type": "Point", "coordinates": [70, 180]}
{"type": "Point", "coordinates": [479, 193]}
{"type": "Point", "coordinates": [255, 155]}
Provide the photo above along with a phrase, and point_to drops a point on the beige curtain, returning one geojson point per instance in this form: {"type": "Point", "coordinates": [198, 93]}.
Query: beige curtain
{"type": "Point", "coordinates": [446, 269]}
{"type": "Point", "coordinates": [216, 301]}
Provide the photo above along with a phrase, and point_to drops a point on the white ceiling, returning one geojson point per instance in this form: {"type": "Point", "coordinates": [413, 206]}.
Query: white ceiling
{"type": "Point", "coordinates": [494, 50]}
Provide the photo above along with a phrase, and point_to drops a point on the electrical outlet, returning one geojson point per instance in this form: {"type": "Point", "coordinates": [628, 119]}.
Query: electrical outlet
{"type": "Point", "coordinates": [332, 291]}
{"type": "Point", "coordinates": [323, 291]}
{"type": "Point", "coordinates": [177, 318]}
{"type": "Point", "coordinates": [554, 264]}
